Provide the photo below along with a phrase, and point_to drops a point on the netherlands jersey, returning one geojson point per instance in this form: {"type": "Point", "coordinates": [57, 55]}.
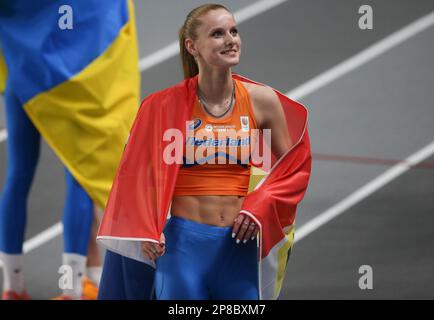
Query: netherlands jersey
{"type": "Point", "coordinates": [217, 151]}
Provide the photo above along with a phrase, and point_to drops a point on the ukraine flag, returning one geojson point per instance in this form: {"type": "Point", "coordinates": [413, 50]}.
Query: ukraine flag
{"type": "Point", "coordinates": [73, 65]}
{"type": "Point", "coordinates": [3, 73]}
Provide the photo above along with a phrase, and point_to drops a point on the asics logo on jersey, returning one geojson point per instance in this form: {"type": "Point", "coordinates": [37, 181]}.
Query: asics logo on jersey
{"type": "Point", "coordinates": [195, 124]}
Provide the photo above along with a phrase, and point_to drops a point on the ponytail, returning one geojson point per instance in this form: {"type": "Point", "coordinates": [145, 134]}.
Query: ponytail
{"type": "Point", "coordinates": [189, 64]}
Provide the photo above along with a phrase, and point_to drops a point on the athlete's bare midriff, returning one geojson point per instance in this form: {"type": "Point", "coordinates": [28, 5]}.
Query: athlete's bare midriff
{"type": "Point", "coordinates": [213, 210]}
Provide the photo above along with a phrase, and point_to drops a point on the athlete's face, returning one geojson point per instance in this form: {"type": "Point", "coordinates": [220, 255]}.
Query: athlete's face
{"type": "Point", "coordinates": [218, 43]}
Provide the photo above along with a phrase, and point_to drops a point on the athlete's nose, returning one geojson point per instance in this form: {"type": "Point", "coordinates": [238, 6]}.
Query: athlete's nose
{"type": "Point", "coordinates": [229, 39]}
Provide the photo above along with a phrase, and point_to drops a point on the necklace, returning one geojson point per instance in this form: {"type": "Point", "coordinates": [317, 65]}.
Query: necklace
{"type": "Point", "coordinates": [228, 107]}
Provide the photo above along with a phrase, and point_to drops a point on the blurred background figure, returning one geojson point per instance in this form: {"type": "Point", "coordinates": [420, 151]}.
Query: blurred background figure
{"type": "Point", "coordinates": [69, 73]}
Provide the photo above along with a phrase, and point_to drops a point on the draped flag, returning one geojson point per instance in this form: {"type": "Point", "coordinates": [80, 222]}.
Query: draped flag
{"type": "Point", "coordinates": [142, 191]}
{"type": "Point", "coordinates": [3, 73]}
{"type": "Point", "coordinates": [78, 84]}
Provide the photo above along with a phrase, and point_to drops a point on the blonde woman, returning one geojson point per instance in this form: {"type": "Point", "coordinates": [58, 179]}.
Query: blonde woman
{"type": "Point", "coordinates": [209, 247]}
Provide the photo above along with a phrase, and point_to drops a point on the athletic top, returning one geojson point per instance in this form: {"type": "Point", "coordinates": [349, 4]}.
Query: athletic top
{"type": "Point", "coordinates": [216, 159]}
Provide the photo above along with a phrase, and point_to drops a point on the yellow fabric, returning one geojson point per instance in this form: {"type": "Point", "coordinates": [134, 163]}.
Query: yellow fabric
{"type": "Point", "coordinates": [283, 259]}
{"type": "Point", "coordinates": [3, 73]}
{"type": "Point", "coordinates": [86, 119]}
{"type": "Point", "coordinates": [256, 176]}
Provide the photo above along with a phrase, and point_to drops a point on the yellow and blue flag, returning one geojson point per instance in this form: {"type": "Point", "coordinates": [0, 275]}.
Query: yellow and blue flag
{"type": "Point", "coordinates": [73, 65]}
{"type": "Point", "coordinates": [3, 73]}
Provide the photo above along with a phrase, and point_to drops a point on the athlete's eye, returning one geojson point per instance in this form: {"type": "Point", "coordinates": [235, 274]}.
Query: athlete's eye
{"type": "Point", "coordinates": [217, 34]}
{"type": "Point", "coordinates": [234, 31]}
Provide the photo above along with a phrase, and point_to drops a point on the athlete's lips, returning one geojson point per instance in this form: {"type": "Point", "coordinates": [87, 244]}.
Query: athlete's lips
{"type": "Point", "coordinates": [229, 51]}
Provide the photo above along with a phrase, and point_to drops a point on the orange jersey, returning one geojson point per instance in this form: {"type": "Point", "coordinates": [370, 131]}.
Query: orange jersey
{"type": "Point", "coordinates": [217, 151]}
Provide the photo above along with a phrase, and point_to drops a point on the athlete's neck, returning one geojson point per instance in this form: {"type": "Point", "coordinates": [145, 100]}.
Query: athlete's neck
{"type": "Point", "coordinates": [215, 87]}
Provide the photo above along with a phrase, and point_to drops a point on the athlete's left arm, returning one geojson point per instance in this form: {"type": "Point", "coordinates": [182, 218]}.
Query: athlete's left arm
{"type": "Point", "coordinates": [269, 115]}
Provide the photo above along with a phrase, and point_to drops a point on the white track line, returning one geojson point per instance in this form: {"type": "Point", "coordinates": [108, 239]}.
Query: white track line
{"type": "Point", "coordinates": [172, 49]}
{"type": "Point", "coordinates": [298, 93]}
{"type": "Point", "coordinates": [3, 135]}
{"type": "Point", "coordinates": [362, 57]}
{"type": "Point", "coordinates": [364, 192]}
{"type": "Point", "coordinates": [43, 237]}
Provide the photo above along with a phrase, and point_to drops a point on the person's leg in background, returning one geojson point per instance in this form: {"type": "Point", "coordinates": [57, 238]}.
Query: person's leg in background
{"type": "Point", "coordinates": [23, 145]}
{"type": "Point", "coordinates": [77, 225]}
{"type": "Point", "coordinates": [93, 265]}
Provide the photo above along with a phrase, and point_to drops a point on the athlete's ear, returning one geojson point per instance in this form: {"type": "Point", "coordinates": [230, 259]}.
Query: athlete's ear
{"type": "Point", "coordinates": [191, 47]}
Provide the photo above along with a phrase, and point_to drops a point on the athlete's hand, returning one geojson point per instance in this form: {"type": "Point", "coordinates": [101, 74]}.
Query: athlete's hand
{"type": "Point", "coordinates": [244, 229]}
{"type": "Point", "coordinates": [152, 250]}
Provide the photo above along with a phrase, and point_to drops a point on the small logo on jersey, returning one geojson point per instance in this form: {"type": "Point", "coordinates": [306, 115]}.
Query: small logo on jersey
{"type": "Point", "coordinates": [196, 124]}
{"type": "Point", "coordinates": [208, 128]}
{"type": "Point", "coordinates": [244, 123]}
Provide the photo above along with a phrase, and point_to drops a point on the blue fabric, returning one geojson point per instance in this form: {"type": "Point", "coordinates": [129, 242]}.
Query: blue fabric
{"type": "Point", "coordinates": [39, 55]}
{"type": "Point", "coordinates": [125, 279]}
{"type": "Point", "coordinates": [203, 262]}
{"type": "Point", "coordinates": [77, 217]}
{"type": "Point", "coordinates": [23, 145]}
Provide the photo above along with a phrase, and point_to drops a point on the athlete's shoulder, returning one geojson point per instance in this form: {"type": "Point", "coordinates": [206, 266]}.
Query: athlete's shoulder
{"type": "Point", "coordinates": [265, 103]}
{"type": "Point", "coordinates": [263, 97]}
{"type": "Point", "coordinates": [260, 93]}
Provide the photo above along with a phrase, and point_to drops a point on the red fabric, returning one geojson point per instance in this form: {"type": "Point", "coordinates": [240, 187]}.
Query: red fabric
{"type": "Point", "coordinates": [142, 190]}
{"type": "Point", "coordinates": [144, 184]}
{"type": "Point", "coordinates": [274, 203]}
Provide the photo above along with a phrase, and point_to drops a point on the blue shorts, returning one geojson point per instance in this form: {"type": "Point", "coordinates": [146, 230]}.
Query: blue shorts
{"type": "Point", "coordinates": [203, 262]}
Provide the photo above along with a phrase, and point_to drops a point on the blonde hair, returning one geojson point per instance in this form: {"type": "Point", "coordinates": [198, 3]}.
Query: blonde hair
{"type": "Point", "coordinates": [189, 30]}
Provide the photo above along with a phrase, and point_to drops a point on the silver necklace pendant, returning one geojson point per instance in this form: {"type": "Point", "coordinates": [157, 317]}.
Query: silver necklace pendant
{"type": "Point", "coordinates": [202, 102]}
